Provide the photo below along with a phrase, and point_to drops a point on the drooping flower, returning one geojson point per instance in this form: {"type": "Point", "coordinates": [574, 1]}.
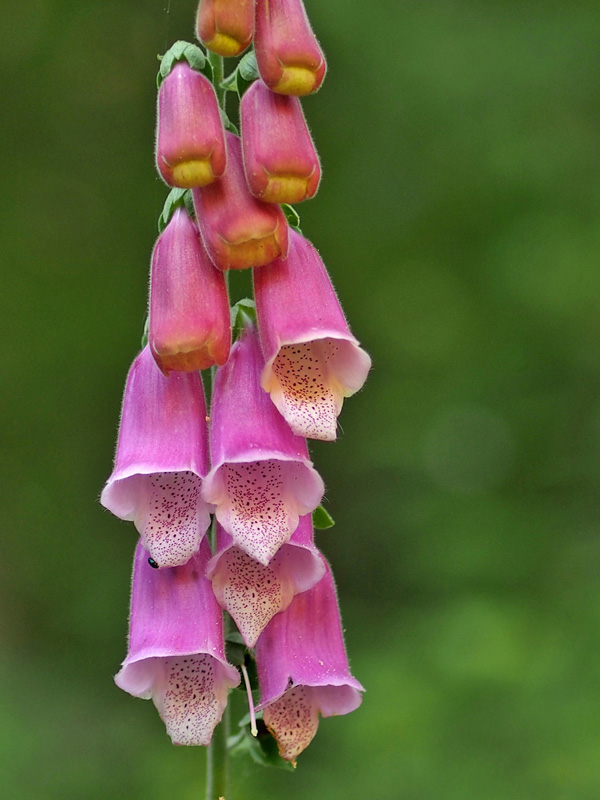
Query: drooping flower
{"type": "Point", "coordinates": [189, 325]}
{"type": "Point", "coordinates": [312, 359]}
{"type": "Point", "coordinates": [280, 160]}
{"type": "Point", "coordinates": [288, 55]}
{"type": "Point", "coordinates": [162, 455]}
{"type": "Point", "coordinates": [303, 668]}
{"type": "Point", "coordinates": [261, 479]}
{"type": "Point", "coordinates": [238, 230]}
{"type": "Point", "coordinates": [190, 144]}
{"type": "Point", "coordinates": [225, 26]}
{"type": "Point", "coordinates": [176, 654]}
{"type": "Point", "coordinates": [253, 593]}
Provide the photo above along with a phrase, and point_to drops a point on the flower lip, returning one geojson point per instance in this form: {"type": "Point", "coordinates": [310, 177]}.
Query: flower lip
{"type": "Point", "coordinates": [252, 592]}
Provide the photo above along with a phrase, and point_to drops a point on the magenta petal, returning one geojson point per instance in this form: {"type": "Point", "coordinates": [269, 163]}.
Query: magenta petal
{"type": "Point", "coordinates": [190, 139]}
{"type": "Point", "coordinates": [253, 593]}
{"type": "Point", "coordinates": [312, 359]}
{"type": "Point", "coordinates": [190, 326]}
{"type": "Point", "coordinates": [261, 479]}
{"type": "Point", "coordinates": [176, 654]}
{"type": "Point", "coordinates": [303, 669]}
{"type": "Point", "coordinates": [288, 55]}
{"type": "Point", "coordinates": [238, 230]}
{"type": "Point", "coordinates": [162, 455]}
{"type": "Point", "coordinates": [280, 160]}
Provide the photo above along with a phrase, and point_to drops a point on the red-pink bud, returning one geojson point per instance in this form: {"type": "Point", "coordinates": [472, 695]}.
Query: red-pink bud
{"type": "Point", "coordinates": [190, 146]}
{"type": "Point", "coordinates": [280, 160]}
{"type": "Point", "coordinates": [288, 55]}
{"type": "Point", "coordinates": [225, 26]}
{"type": "Point", "coordinates": [189, 309]}
{"type": "Point", "coordinates": [238, 230]}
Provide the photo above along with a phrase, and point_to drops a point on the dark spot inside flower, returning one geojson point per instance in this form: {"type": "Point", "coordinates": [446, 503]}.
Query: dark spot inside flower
{"type": "Point", "coordinates": [153, 563]}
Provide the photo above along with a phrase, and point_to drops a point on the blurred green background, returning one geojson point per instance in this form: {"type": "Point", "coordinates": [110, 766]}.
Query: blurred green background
{"type": "Point", "coordinates": [459, 217]}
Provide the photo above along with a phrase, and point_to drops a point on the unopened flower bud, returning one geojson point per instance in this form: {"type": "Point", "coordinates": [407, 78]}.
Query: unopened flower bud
{"type": "Point", "coordinates": [280, 160]}
{"type": "Point", "coordinates": [288, 55]}
{"type": "Point", "coordinates": [189, 309]}
{"type": "Point", "coordinates": [225, 26]}
{"type": "Point", "coordinates": [190, 145]}
{"type": "Point", "coordinates": [238, 230]}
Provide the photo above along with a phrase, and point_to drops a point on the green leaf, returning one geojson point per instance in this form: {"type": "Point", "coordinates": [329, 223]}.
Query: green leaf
{"type": "Point", "coordinates": [175, 199]}
{"type": "Point", "coordinates": [235, 653]}
{"type": "Point", "coordinates": [146, 331]}
{"type": "Point", "coordinates": [183, 51]}
{"type": "Point", "coordinates": [246, 720]}
{"type": "Point", "coordinates": [292, 216]}
{"type": "Point", "coordinates": [243, 311]}
{"type": "Point", "coordinates": [322, 519]}
{"type": "Point", "coordinates": [229, 84]}
{"type": "Point", "coordinates": [248, 68]}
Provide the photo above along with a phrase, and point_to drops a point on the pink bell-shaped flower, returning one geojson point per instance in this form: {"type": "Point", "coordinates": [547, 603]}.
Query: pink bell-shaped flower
{"type": "Point", "coordinates": [176, 654]}
{"type": "Point", "coordinates": [238, 230]}
{"type": "Point", "coordinates": [312, 359]}
{"type": "Point", "coordinates": [162, 455]}
{"type": "Point", "coordinates": [225, 26]}
{"type": "Point", "coordinates": [261, 480]}
{"type": "Point", "coordinates": [253, 593]}
{"type": "Point", "coordinates": [280, 160]}
{"type": "Point", "coordinates": [190, 327]}
{"type": "Point", "coordinates": [288, 55]}
{"type": "Point", "coordinates": [190, 143]}
{"type": "Point", "coordinates": [303, 668]}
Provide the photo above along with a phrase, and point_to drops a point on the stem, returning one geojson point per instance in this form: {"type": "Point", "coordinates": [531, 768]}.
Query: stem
{"type": "Point", "coordinates": [217, 761]}
{"type": "Point", "coordinates": [217, 63]}
{"type": "Point", "coordinates": [217, 754]}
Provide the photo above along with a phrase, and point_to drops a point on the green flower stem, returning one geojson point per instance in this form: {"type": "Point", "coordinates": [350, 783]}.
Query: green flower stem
{"type": "Point", "coordinates": [217, 754]}
{"type": "Point", "coordinates": [217, 761]}
{"type": "Point", "coordinates": [217, 63]}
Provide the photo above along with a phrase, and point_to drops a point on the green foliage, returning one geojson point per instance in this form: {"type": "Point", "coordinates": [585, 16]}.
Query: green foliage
{"type": "Point", "coordinates": [322, 519]}
{"type": "Point", "coordinates": [183, 51]}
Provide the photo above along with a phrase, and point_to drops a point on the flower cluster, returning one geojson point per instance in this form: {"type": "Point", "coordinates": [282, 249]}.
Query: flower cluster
{"type": "Point", "coordinates": [245, 463]}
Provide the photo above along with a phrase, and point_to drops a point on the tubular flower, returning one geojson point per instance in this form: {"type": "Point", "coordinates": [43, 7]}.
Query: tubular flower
{"type": "Point", "coordinates": [189, 309]}
{"type": "Point", "coordinates": [303, 668]}
{"type": "Point", "coordinates": [280, 160]}
{"type": "Point", "coordinates": [162, 455]}
{"type": "Point", "coordinates": [238, 230]}
{"type": "Point", "coordinates": [312, 359]}
{"type": "Point", "coordinates": [225, 26]}
{"type": "Point", "coordinates": [261, 479]}
{"type": "Point", "coordinates": [288, 55]}
{"type": "Point", "coordinates": [176, 654]}
{"type": "Point", "coordinates": [190, 144]}
{"type": "Point", "coordinates": [253, 593]}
